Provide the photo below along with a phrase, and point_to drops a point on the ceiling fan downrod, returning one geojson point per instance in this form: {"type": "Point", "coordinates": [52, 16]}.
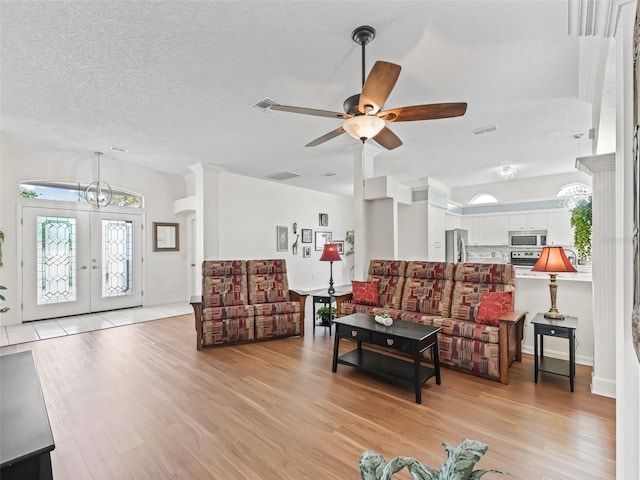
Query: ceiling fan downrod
{"type": "Point", "coordinates": [362, 36]}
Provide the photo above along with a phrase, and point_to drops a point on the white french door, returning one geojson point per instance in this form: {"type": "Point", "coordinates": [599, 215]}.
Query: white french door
{"type": "Point", "coordinates": [77, 261]}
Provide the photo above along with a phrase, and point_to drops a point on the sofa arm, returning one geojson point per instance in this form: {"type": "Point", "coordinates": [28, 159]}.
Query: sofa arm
{"type": "Point", "coordinates": [511, 331]}
{"type": "Point", "coordinates": [196, 303]}
{"type": "Point", "coordinates": [300, 297]}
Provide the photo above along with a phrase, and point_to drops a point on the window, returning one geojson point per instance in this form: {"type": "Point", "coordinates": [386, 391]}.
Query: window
{"type": "Point", "coordinates": [74, 192]}
{"type": "Point", "coordinates": [482, 198]}
{"type": "Point", "coordinates": [571, 194]}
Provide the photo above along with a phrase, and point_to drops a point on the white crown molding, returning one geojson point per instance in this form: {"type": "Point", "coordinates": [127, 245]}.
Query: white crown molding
{"type": "Point", "coordinates": [594, 17]}
{"type": "Point", "coordinates": [596, 163]}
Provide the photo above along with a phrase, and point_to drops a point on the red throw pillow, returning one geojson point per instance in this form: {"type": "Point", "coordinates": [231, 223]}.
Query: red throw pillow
{"type": "Point", "coordinates": [365, 293]}
{"type": "Point", "coordinates": [492, 306]}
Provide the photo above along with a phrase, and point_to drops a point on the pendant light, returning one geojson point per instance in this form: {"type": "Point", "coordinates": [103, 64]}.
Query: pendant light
{"type": "Point", "coordinates": [98, 194]}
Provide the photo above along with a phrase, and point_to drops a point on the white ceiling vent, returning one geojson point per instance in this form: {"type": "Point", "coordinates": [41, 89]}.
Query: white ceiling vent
{"type": "Point", "coordinates": [282, 176]}
{"type": "Point", "coordinates": [264, 105]}
{"type": "Point", "coordinates": [480, 131]}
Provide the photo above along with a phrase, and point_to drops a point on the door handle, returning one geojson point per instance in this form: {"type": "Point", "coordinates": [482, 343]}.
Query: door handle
{"type": "Point", "coordinates": [84, 267]}
{"type": "Point", "coordinates": [93, 267]}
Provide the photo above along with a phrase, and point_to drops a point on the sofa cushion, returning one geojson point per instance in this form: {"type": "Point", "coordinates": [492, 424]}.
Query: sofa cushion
{"type": "Point", "coordinates": [276, 308]}
{"type": "Point", "coordinates": [224, 282]}
{"type": "Point", "coordinates": [485, 273]}
{"type": "Point", "coordinates": [279, 325]}
{"type": "Point", "coordinates": [492, 306]}
{"type": "Point", "coordinates": [467, 295]}
{"type": "Point", "coordinates": [224, 313]}
{"type": "Point", "coordinates": [365, 293]}
{"type": "Point", "coordinates": [427, 296]}
{"type": "Point", "coordinates": [472, 355]}
{"type": "Point", "coordinates": [351, 308]}
{"type": "Point", "coordinates": [471, 330]}
{"type": "Point", "coordinates": [430, 270]}
{"type": "Point", "coordinates": [227, 331]}
{"type": "Point", "coordinates": [267, 281]}
{"type": "Point", "coordinates": [387, 268]}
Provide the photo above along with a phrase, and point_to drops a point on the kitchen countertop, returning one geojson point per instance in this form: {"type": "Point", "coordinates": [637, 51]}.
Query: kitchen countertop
{"type": "Point", "coordinates": [582, 275]}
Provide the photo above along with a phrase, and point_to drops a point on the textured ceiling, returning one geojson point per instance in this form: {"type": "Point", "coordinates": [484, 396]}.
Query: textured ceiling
{"type": "Point", "coordinates": [174, 82]}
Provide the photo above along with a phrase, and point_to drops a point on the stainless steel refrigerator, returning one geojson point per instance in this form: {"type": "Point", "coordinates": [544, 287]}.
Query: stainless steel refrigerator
{"type": "Point", "coordinates": [456, 245]}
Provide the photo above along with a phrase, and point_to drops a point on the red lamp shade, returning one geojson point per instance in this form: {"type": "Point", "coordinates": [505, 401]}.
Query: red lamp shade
{"type": "Point", "coordinates": [330, 253]}
{"type": "Point", "coordinates": [553, 259]}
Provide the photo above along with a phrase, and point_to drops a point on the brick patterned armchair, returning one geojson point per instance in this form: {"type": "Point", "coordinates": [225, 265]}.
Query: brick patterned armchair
{"type": "Point", "coordinates": [390, 277]}
{"type": "Point", "coordinates": [226, 316]}
{"type": "Point", "coordinates": [277, 314]}
{"type": "Point", "coordinates": [244, 301]}
{"type": "Point", "coordinates": [485, 350]}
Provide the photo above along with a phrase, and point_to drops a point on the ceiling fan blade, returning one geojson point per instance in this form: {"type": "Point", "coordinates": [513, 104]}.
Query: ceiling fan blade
{"type": "Point", "coordinates": [387, 139]}
{"type": "Point", "coordinates": [376, 89]}
{"type": "Point", "coordinates": [424, 112]}
{"type": "Point", "coordinates": [326, 137]}
{"type": "Point", "coordinates": [310, 111]}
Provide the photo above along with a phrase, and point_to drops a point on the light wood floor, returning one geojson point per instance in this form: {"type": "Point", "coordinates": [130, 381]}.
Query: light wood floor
{"type": "Point", "coordinates": [139, 402]}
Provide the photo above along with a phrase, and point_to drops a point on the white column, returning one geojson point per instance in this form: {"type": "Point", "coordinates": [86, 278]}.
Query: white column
{"type": "Point", "coordinates": [627, 365]}
{"type": "Point", "coordinates": [362, 168]}
{"type": "Point", "coordinates": [207, 201]}
{"type": "Point", "coordinates": [603, 252]}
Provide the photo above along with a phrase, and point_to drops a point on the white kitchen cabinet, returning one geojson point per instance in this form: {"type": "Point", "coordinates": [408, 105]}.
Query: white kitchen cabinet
{"type": "Point", "coordinates": [528, 221]}
{"type": "Point", "coordinates": [495, 230]}
{"type": "Point", "coordinates": [559, 228]}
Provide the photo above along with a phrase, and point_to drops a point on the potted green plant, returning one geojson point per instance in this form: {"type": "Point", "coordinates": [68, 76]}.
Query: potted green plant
{"type": "Point", "coordinates": [581, 222]}
{"type": "Point", "coordinates": [458, 465]}
{"type": "Point", "coordinates": [325, 314]}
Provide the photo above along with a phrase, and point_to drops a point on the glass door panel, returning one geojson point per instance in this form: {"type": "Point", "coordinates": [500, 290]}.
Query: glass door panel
{"type": "Point", "coordinates": [77, 262]}
{"type": "Point", "coordinates": [55, 264]}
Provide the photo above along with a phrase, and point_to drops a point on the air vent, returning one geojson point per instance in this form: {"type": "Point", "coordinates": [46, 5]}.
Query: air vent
{"type": "Point", "coordinates": [480, 131]}
{"type": "Point", "coordinates": [282, 176]}
{"type": "Point", "coordinates": [265, 104]}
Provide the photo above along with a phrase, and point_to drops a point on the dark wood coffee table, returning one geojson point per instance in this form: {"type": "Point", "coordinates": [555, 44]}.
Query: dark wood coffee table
{"type": "Point", "coordinates": [407, 337]}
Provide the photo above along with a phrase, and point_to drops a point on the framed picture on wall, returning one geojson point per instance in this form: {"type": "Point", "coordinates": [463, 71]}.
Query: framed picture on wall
{"type": "Point", "coordinates": [306, 235]}
{"type": "Point", "coordinates": [306, 252]}
{"type": "Point", "coordinates": [166, 237]}
{"type": "Point", "coordinates": [323, 219]}
{"type": "Point", "coordinates": [340, 244]}
{"type": "Point", "coordinates": [321, 239]}
{"type": "Point", "coordinates": [282, 238]}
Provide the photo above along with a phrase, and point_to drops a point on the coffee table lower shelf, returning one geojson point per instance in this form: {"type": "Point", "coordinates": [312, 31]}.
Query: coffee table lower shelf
{"type": "Point", "coordinates": [385, 366]}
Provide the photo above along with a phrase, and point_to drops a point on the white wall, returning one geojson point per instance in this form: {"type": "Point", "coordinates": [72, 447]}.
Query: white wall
{"type": "Point", "coordinates": [164, 272]}
{"type": "Point", "coordinates": [521, 190]}
{"type": "Point", "coordinates": [381, 223]}
{"type": "Point", "coordinates": [413, 231]}
{"type": "Point", "coordinates": [250, 211]}
{"type": "Point", "coordinates": [575, 298]}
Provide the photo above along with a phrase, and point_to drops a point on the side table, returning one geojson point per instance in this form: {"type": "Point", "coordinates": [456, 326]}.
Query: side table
{"type": "Point", "coordinates": [321, 296]}
{"type": "Point", "coordinates": [565, 328]}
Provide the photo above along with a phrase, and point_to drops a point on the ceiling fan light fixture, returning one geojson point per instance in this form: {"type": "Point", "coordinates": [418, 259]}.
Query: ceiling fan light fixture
{"type": "Point", "coordinates": [363, 127]}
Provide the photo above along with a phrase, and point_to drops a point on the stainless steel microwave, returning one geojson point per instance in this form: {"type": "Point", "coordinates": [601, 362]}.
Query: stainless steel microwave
{"type": "Point", "coordinates": [528, 238]}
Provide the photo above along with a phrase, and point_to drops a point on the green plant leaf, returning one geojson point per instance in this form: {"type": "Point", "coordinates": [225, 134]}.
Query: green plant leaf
{"type": "Point", "coordinates": [476, 474]}
{"type": "Point", "coordinates": [581, 222]}
{"type": "Point", "coordinates": [461, 460]}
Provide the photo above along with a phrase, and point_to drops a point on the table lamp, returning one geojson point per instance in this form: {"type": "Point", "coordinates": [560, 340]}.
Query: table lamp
{"type": "Point", "coordinates": [553, 260]}
{"type": "Point", "coordinates": [330, 254]}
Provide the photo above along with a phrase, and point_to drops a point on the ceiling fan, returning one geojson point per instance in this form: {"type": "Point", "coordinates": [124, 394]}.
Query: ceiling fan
{"type": "Point", "coordinates": [363, 117]}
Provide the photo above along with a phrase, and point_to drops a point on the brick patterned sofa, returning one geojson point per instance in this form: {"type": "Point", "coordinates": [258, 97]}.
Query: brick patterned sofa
{"type": "Point", "coordinates": [448, 295]}
{"type": "Point", "coordinates": [244, 301]}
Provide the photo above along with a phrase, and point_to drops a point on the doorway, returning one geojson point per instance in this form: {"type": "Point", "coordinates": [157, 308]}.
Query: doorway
{"type": "Point", "coordinates": [79, 261]}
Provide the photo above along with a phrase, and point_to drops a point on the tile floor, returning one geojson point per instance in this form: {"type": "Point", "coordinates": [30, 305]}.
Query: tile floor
{"type": "Point", "coordinates": [43, 329]}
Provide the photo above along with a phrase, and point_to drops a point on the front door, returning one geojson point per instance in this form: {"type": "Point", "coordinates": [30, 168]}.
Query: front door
{"type": "Point", "coordinates": [78, 261]}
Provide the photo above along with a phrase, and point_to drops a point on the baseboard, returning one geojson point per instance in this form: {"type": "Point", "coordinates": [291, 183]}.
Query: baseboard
{"type": "Point", "coordinates": [580, 359]}
{"type": "Point", "coordinates": [603, 386]}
